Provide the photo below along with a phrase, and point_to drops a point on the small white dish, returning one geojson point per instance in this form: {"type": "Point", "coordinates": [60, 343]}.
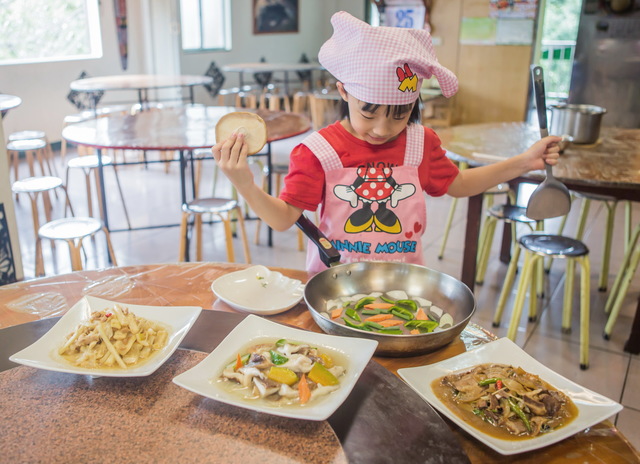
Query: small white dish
{"type": "Point", "coordinates": [43, 353]}
{"type": "Point", "coordinates": [592, 407]}
{"type": "Point", "coordinates": [258, 290]}
{"type": "Point", "coordinates": [352, 353]}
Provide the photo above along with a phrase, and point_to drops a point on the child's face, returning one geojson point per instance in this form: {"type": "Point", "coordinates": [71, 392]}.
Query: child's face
{"type": "Point", "coordinates": [375, 127]}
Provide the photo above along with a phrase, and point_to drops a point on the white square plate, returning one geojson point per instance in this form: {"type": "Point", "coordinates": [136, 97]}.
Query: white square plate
{"type": "Point", "coordinates": [353, 353]}
{"type": "Point", "coordinates": [258, 290]}
{"type": "Point", "coordinates": [43, 354]}
{"type": "Point", "coordinates": [592, 407]}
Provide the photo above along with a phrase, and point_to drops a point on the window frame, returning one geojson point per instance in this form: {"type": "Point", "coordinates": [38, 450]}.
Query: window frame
{"type": "Point", "coordinates": [226, 13]}
{"type": "Point", "coordinates": [94, 31]}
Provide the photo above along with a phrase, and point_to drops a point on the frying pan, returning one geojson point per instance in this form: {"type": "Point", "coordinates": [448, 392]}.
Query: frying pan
{"type": "Point", "coordinates": [551, 198]}
{"type": "Point", "coordinates": [364, 277]}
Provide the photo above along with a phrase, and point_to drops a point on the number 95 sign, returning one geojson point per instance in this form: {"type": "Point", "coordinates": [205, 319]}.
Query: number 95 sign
{"type": "Point", "coordinates": [410, 17]}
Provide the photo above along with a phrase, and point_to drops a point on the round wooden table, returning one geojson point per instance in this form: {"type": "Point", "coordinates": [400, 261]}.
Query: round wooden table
{"type": "Point", "coordinates": [8, 102]}
{"type": "Point", "coordinates": [141, 83]}
{"type": "Point", "coordinates": [357, 426]}
{"type": "Point", "coordinates": [611, 166]}
{"type": "Point", "coordinates": [182, 129]}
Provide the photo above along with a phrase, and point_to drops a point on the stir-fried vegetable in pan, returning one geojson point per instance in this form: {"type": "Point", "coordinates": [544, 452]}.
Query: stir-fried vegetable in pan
{"type": "Point", "coordinates": [284, 372]}
{"type": "Point", "coordinates": [509, 400]}
{"type": "Point", "coordinates": [393, 312]}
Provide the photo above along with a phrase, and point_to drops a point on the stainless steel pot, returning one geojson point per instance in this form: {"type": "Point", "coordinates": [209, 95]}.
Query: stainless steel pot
{"type": "Point", "coordinates": [581, 122]}
{"type": "Point", "coordinates": [366, 277]}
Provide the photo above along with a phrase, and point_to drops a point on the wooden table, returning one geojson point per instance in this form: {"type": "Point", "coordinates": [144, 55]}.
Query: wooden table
{"type": "Point", "coordinates": [182, 129]}
{"type": "Point", "coordinates": [141, 83]}
{"type": "Point", "coordinates": [609, 167]}
{"type": "Point", "coordinates": [8, 102]}
{"type": "Point", "coordinates": [188, 284]}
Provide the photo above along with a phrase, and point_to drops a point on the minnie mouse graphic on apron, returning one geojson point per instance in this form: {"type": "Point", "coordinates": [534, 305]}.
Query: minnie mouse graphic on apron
{"type": "Point", "coordinates": [375, 211]}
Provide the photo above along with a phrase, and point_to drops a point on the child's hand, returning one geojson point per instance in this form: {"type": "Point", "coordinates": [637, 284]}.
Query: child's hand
{"type": "Point", "coordinates": [231, 156]}
{"type": "Point", "coordinates": [546, 150]}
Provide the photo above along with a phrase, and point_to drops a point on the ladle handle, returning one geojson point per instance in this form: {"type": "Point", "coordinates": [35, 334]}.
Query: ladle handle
{"type": "Point", "coordinates": [538, 92]}
{"type": "Point", "coordinates": [328, 253]}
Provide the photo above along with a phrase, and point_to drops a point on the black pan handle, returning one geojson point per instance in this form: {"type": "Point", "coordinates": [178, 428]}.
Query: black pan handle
{"type": "Point", "coordinates": [328, 254]}
{"type": "Point", "coordinates": [541, 105]}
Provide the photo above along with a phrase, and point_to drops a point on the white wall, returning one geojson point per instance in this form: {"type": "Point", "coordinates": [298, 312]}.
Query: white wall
{"type": "Point", "coordinates": [44, 87]}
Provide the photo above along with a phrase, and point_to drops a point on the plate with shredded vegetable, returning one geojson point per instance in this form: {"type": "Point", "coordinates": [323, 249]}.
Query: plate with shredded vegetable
{"type": "Point", "coordinates": [506, 399]}
{"type": "Point", "coordinates": [280, 370]}
{"type": "Point", "coordinates": [258, 290]}
{"type": "Point", "coordinates": [105, 338]}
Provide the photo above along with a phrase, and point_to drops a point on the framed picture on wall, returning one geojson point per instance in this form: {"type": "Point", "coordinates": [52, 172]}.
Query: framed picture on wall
{"type": "Point", "coordinates": [275, 16]}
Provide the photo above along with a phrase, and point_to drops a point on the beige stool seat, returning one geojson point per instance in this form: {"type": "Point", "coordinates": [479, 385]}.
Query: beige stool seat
{"type": "Point", "coordinates": [89, 164]}
{"type": "Point", "coordinates": [35, 150]}
{"type": "Point", "coordinates": [223, 209]}
{"type": "Point", "coordinates": [540, 245]}
{"type": "Point", "coordinates": [73, 231]}
{"type": "Point", "coordinates": [511, 214]}
{"type": "Point", "coordinates": [36, 187]}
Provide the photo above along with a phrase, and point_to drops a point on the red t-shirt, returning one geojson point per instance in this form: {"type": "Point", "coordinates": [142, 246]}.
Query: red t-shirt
{"type": "Point", "coordinates": [304, 185]}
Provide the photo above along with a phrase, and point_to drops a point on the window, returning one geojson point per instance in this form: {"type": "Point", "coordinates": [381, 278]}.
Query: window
{"type": "Point", "coordinates": [205, 25]}
{"type": "Point", "coordinates": [35, 31]}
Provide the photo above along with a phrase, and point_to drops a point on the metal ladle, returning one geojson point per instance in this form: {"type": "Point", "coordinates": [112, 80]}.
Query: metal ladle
{"type": "Point", "coordinates": [551, 198]}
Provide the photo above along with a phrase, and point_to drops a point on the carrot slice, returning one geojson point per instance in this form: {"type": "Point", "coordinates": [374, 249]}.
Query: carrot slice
{"type": "Point", "coordinates": [379, 317]}
{"type": "Point", "coordinates": [238, 362]}
{"type": "Point", "coordinates": [420, 315]}
{"type": "Point", "coordinates": [303, 390]}
{"type": "Point", "coordinates": [378, 305]}
{"type": "Point", "coordinates": [336, 313]}
{"type": "Point", "coordinates": [390, 323]}
{"type": "Point", "coordinates": [415, 332]}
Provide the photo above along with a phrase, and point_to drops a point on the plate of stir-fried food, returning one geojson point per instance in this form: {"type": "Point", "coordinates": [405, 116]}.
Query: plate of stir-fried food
{"type": "Point", "coordinates": [105, 338]}
{"type": "Point", "coordinates": [508, 400]}
{"type": "Point", "coordinates": [276, 369]}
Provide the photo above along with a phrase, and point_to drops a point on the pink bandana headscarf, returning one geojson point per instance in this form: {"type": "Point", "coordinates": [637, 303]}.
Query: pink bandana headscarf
{"type": "Point", "coordinates": [382, 65]}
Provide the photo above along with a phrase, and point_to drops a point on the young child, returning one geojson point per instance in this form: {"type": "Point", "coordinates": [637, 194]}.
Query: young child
{"type": "Point", "coordinates": [368, 170]}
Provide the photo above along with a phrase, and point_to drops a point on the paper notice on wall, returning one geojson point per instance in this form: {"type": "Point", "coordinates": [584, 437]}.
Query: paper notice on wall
{"type": "Point", "coordinates": [513, 8]}
{"type": "Point", "coordinates": [478, 31]}
{"type": "Point", "coordinates": [407, 16]}
{"type": "Point", "coordinates": [514, 32]}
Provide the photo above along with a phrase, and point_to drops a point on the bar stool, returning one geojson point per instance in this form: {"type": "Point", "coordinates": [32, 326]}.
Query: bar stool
{"type": "Point", "coordinates": [610, 204]}
{"type": "Point", "coordinates": [511, 214]}
{"type": "Point", "coordinates": [488, 198]}
{"type": "Point", "coordinates": [540, 245]}
{"type": "Point", "coordinates": [35, 150]}
{"type": "Point", "coordinates": [37, 135]}
{"type": "Point", "coordinates": [35, 187]}
{"type": "Point", "coordinates": [622, 282]}
{"type": "Point", "coordinates": [222, 208]}
{"type": "Point", "coordinates": [89, 164]}
{"type": "Point", "coordinates": [73, 231]}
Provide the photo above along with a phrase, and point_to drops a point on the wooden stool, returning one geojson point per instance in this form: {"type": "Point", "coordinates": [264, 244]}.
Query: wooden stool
{"type": "Point", "coordinates": [622, 282]}
{"type": "Point", "coordinates": [538, 246]}
{"type": "Point", "coordinates": [511, 214]}
{"type": "Point", "coordinates": [89, 164]}
{"type": "Point", "coordinates": [223, 208]}
{"type": "Point", "coordinates": [37, 135]}
{"type": "Point", "coordinates": [34, 187]}
{"type": "Point", "coordinates": [35, 150]}
{"type": "Point", "coordinates": [73, 231]}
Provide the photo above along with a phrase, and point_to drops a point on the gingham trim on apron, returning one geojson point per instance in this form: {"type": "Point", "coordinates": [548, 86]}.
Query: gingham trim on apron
{"type": "Point", "coordinates": [330, 160]}
{"type": "Point", "coordinates": [323, 150]}
{"type": "Point", "coordinates": [414, 152]}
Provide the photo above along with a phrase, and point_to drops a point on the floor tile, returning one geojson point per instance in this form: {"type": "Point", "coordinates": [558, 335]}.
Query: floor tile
{"type": "Point", "coordinates": [631, 396]}
{"type": "Point", "coordinates": [628, 423]}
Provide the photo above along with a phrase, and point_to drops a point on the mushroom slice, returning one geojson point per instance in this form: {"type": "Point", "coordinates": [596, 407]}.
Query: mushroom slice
{"type": "Point", "coordinates": [250, 125]}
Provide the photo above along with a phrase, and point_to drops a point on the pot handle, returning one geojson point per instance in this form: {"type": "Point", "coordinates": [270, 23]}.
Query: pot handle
{"type": "Point", "coordinates": [538, 92]}
{"type": "Point", "coordinates": [328, 254]}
